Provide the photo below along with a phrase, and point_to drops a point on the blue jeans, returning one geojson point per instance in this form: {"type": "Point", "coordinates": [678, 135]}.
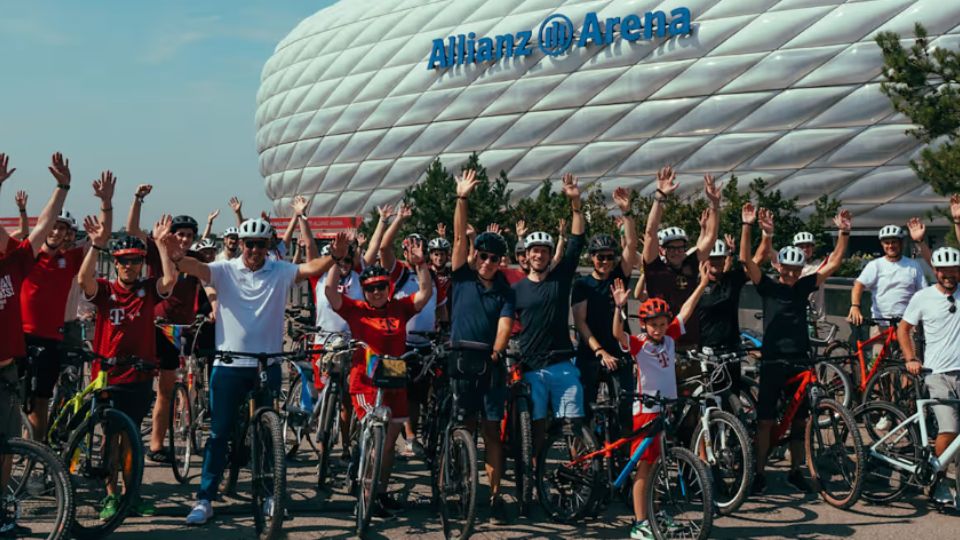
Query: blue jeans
{"type": "Point", "coordinates": [557, 385]}
{"type": "Point", "coordinates": [229, 387]}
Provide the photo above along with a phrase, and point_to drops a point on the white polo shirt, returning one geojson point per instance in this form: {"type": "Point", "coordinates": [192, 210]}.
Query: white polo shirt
{"type": "Point", "coordinates": [250, 307]}
{"type": "Point", "coordinates": [941, 329]}
{"type": "Point", "coordinates": [891, 285]}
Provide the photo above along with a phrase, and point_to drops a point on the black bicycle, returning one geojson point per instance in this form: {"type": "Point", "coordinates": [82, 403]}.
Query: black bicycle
{"type": "Point", "coordinates": [516, 432]}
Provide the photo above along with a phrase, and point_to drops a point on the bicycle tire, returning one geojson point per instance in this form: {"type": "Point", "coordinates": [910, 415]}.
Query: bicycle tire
{"type": "Point", "coordinates": [836, 382]}
{"type": "Point", "coordinates": [179, 433]}
{"type": "Point", "coordinates": [882, 483]}
{"type": "Point", "coordinates": [329, 412]}
{"type": "Point", "coordinates": [458, 463]}
{"type": "Point", "coordinates": [733, 450]}
{"type": "Point", "coordinates": [692, 479]}
{"type": "Point", "coordinates": [523, 463]}
{"type": "Point", "coordinates": [268, 475]}
{"type": "Point", "coordinates": [368, 475]}
{"type": "Point", "coordinates": [567, 493]}
{"type": "Point", "coordinates": [84, 479]}
{"type": "Point", "coordinates": [27, 456]}
{"type": "Point", "coordinates": [887, 384]}
{"type": "Point", "coordinates": [839, 353]}
{"type": "Point", "coordinates": [823, 465]}
{"type": "Point", "coordinates": [292, 435]}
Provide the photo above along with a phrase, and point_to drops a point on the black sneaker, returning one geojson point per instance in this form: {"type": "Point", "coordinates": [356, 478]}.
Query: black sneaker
{"type": "Point", "coordinates": [795, 478]}
{"type": "Point", "coordinates": [388, 503]}
{"type": "Point", "coordinates": [759, 485]}
{"type": "Point", "coordinates": [498, 510]}
{"type": "Point", "coordinates": [160, 456]}
{"type": "Point", "coordinates": [379, 512]}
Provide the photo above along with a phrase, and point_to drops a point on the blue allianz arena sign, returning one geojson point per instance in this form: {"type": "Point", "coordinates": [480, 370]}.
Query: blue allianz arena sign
{"type": "Point", "coordinates": [556, 36]}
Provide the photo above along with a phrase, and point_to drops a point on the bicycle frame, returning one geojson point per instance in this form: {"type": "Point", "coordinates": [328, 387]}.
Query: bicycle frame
{"type": "Point", "coordinates": [888, 336]}
{"type": "Point", "coordinates": [919, 417]}
{"type": "Point", "coordinates": [75, 403]}
{"type": "Point", "coordinates": [650, 432]}
{"type": "Point", "coordinates": [803, 380]}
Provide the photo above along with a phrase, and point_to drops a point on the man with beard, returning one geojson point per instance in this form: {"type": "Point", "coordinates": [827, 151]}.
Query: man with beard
{"type": "Point", "coordinates": [44, 300]}
{"type": "Point", "coordinates": [936, 308]}
{"type": "Point", "coordinates": [592, 302]}
{"type": "Point", "coordinates": [439, 252]}
{"type": "Point", "coordinates": [231, 245]}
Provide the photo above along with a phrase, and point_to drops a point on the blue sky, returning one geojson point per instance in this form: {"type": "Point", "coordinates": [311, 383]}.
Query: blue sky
{"type": "Point", "coordinates": [159, 92]}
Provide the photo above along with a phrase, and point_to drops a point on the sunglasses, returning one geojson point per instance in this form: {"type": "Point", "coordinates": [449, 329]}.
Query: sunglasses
{"type": "Point", "coordinates": [255, 244]}
{"type": "Point", "coordinates": [124, 261]}
{"type": "Point", "coordinates": [675, 248]}
{"type": "Point", "coordinates": [604, 257]}
{"type": "Point", "coordinates": [484, 256]}
{"type": "Point", "coordinates": [953, 304]}
{"type": "Point", "coordinates": [376, 287]}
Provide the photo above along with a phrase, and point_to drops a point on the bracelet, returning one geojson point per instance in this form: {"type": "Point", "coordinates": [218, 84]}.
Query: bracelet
{"type": "Point", "coordinates": [107, 209]}
{"type": "Point", "coordinates": [659, 191]}
{"type": "Point", "coordinates": [844, 233]}
{"type": "Point", "coordinates": [745, 224]}
{"type": "Point", "coordinates": [140, 199]}
{"type": "Point", "coordinates": [23, 210]}
{"type": "Point", "coordinates": [336, 259]}
{"type": "Point", "coordinates": [65, 187]}
{"type": "Point", "coordinates": [912, 360]}
{"type": "Point", "coordinates": [461, 197]}
{"type": "Point", "coordinates": [98, 248]}
{"type": "Point", "coordinates": [597, 351]}
{"type": "Point", "coordinates": [855, 305]}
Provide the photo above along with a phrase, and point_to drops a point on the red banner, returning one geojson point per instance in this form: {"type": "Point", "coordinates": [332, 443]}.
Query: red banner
{"type": "Point", "coordinates": [12, 224]}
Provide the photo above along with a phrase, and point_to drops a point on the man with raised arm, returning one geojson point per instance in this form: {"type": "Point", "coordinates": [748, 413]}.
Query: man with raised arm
{"type": "Point", "coordinates": [669, 270]}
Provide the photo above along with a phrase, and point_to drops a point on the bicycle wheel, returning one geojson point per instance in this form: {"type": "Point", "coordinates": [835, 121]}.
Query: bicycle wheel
{"type": "Point", "coordinates": [371, 453]}
{"type": "Point", "coordinates": [268, 475]}
{"type": "Point", "coordinates": [895, 385]}
{"type": "Point", "coordinates": [881, 482]}
{"type": "Point", "coordinates": [294, 418]}
{"type": "Point", "coordinates": [733, 470]}
{"type": "Point", "coordinates": [838, 353]}
{"type": "Point", "coordinates": [104, 457]}
{"type": "Point", "coordinates": [38, 491]}
{"type": "Point", "coordinates": [179, 433]}
{"type": "Point", "coordinates": [523, 456]}
{"type": "Point", "coordinates": [567, 491]}
{"type": "Point", "coordinates": [679, 496]}
{"type": "Point", "coordinates": [836, 382]}
{"type": "Point", "coordinates": [835, 455]}
{"type": "Point", "coordinates": [457, 483]}
{"type": "Point", "coordinates": [326, 438]}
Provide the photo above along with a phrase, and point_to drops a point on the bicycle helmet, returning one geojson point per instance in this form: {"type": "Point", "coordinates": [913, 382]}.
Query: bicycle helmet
{"type": "Point", "coordinates": [720, 249]}
{"type": "Point", "coordinates": [201, 245]}
{"type": "Point", "coordinates": [655, 307]}
{"type": "Point", "coordinates": [945, 257]}
{"type": "Point", "coordinates": [373, 274]}
{"type": "Point", "coordinates": [538, 239]}
{"type": "Point", "coordinates": [438, 244]}
{"type": "Point", "coordinates": [519, 249]}
{"type": "Point", "coordinates": [803, 238]}
{"type": "Point", "coordinates": [491, 243]}
{"type": "Point", "coordinates": [414, 236]}
{"type": "Point", "coordinates": [891, 231]}
{"type": "Point", "coordinates": [255, 228]}
{"type": "Point", "coordinates": [602, 242]}
{"type": "Point", "coordinates": [231, 231]}
{"type": "Point", "coordinates": [184, 222]}
{"type": "Point", "coordinates": [327, 249]}
{"type": "Point", "coordinates": [791, 256]}
{"type": "Point", "coordinates": [128, 245]}
{"type": "Point", "coordinates": [67, 217]}
{"type": "Point", "coordinates": [670, 234]}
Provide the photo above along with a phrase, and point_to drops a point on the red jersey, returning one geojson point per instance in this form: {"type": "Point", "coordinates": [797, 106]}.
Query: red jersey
{"type": "Point", "coordinates": [514, 275]}
{"type": "Point", "coordinates": [125, 326]}
{"type": "Point", "coordinates": [384, 330]}
{"type": "Point", "coordinates": [442, 281]}
{"type": "Point", "coordinates": [15, 264]}
{"type": "Point", "coordinates": [181, 306]}
{"type": "Point", "coordinates": [44, 295]}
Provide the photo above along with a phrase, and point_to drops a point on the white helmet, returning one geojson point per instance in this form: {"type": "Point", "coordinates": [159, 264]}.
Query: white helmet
{"type": "Point", "coordinates": [945, 256]}
{"type": "Point", "coordinates": [538, 238]}
{"type": "Point", "coordinates": [720, 249]}
{"type": "Point", "coordinates": [67, 218]}
{"type": "Point", "coordinates": [791, 256]}
{"type": "Point", "coordinates": [891, 231]}
{"type": "Point", "coordinates": [231, 231]}
{"type": "Point", "coordinates": [255, 228]}
{"type": "Point", "coordinates": [803, 238]}
{"type": "Point", "coordinates": [670, 234]}
{"type": "Point", "coordinates": [205, 243]}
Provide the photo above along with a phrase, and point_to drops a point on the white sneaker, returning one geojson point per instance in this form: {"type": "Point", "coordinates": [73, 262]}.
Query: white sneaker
{"type": "Point", "coordinates": [36, 483]}
{"type": "Point", "coordinates": [942, 494]}
{"type": "Point", "coordinates": [884, 424]}
{"type": "Point", "coordinates": [268, 507]}
{"type": "Point", "coordinates": [201, 513]}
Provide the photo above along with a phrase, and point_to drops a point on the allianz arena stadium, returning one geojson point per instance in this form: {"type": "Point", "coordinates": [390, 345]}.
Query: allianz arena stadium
{"type": "Point", "coordinates": [360, 97]}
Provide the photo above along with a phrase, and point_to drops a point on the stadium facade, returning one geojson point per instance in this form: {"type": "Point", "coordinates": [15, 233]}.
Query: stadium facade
{"type": "Point", "coordinates": [360, 97]}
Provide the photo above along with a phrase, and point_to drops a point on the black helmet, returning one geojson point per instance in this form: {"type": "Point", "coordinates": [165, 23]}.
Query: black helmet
{"type": "Point", "coordinates": [491, 243]}
{"type": "Point", "coordinates": [602, 242]}
{"type": "Point", "coordinates": [184, 222]}
{"type": "Point", "coordinates": [373, 274]}
{"type": "Point", "coordinates": [128, 245]}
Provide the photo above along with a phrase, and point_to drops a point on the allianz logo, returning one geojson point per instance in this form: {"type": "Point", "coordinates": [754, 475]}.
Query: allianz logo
{"type": "Point", "coordinates": [556, 36]}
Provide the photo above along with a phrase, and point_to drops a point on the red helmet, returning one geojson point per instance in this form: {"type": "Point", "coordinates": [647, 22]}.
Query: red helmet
{"type": "Point", "coordinates": [655, 307]}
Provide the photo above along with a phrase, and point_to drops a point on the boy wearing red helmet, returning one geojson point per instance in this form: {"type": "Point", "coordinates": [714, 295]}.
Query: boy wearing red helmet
{"type": "Point", "coordinates": [655, 355]}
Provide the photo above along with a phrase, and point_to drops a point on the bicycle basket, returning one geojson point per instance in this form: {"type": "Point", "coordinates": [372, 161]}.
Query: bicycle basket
{"type": "Point", "coordinates": [390, 373]}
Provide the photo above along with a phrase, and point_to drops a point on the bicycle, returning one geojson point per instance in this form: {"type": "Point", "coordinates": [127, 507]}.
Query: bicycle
{"type": "Point", "coordinates": [48, 509]}
{"type": "Point", "coordinates": [900, 453]}
{"type": "Point", "coordinates": [679, 492]}
{"type": "Point", "coordinates": [259, 439]}
{"type": "Point", "coordinates": [516, 431]}
{"type": "Point", "coordinates": [835, 463]}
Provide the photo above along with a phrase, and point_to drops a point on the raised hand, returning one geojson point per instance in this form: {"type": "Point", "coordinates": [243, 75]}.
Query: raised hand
{"type": "Point", "coordinates": [21, 199]}
{"type": "Point", "coordinates": [748, 214]}
{"type": "Point", "coordinates": [844, 221]}
{"type": "Point", "coordinates": [493, 228]}
{"type": "Point", "coordinates": [404, 211]}
{"type": "Point", "coordinates": [704, 272]}
{"type": "Point", "coordinates": [340, 245]}
{"type": "Point", "coordinates": [570, 187]}
{"type": "Point", "coordinates": [562, 226]}
{"type": "Point", "coordinates": [213, 215]}
{"type": "Point", "coordinates": [917, 229]}
{"type": "Point", "coordinates": [471, 232]}
{"type": "Point", "coordinates": [95, 230]}
{"type": "Point", "coordinates": [711, 189]}
{"type": "Point", "coordinates": [161, 228]}
{"type": "Point", "coordinates": [4, 171]}
{"type": "Point", "coordinates": [466, 182]}
{"type": "Point", "coordinates": [766, 220]}
{"type": "Point", "coordinates": [235, 204]}
{"type": "Point", "coordinates": [441, 230]}
{"type": "Point", "coordinates": [143, 190]}
{"type": "Point", "coordinates": [667, 180]}
{"type": "Point", "coordinates": [415, 246]}
{"type": "Point", "coordinates": [620, 292]}
{"type": "Point", "coordinates": [104, 186]}
{"type": "Point", "coordinates": [521, 227]}
{"type": "Point", "coordinates": [361, 239]}
{"type": "Point", "coordinates": [621, 197]}
{"type": "Point", "coordinates": [385, 211]}
{"type": "Point", "coordinates": [730, 242]}
{"type": "Point", "coordinates": [954, 201]}
{"type": "Point", "coordinates": [704, 218]}
{"type": "Point", "coordinates": [60, 168]}
{"type": "Point", "coordinates": [299, 205]}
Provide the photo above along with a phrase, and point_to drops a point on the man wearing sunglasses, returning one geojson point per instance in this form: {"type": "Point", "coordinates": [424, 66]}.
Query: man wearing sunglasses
{"type": "Point", "coordinates": [671, 272]}
{"type": "Point", "coordinates": [936, 308]}
{"type": "Point", "coordinates": [251, 296]}
{"type": "Point", "coordinates": [593, 305]}
{"type": "Point", "coordinates": [124, 325]}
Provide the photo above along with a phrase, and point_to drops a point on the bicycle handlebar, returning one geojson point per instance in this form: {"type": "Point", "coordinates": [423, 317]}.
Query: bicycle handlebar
{"type": "Point", "coordinates": [878, 321]}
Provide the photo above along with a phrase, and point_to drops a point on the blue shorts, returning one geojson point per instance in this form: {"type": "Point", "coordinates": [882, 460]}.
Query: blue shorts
{"type": "Point", "coordinates": [557, 384]}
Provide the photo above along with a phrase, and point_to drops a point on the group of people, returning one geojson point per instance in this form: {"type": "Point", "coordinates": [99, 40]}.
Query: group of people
{"type": "Point", "coordinates": [388, 297]}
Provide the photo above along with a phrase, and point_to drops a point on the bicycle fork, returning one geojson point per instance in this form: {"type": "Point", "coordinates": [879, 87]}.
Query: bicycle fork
{"type": "Point", "coordinates": [708, 455]}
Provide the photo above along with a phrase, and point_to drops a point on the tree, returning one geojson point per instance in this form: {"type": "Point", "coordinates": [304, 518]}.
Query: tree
{"type": "Point", "coordinates": [925, 86]}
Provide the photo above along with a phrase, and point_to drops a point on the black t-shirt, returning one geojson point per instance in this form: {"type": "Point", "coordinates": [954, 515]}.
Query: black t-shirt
{"type": "Point", "coordinates": [719, 309]}
{"type": "Point", "coordinates": [476, 310]}
{"type": "Point", "coordinates": [675, 286]}
{"type": "Point", "coordinates": [600, 307]}
{"type": "Point", "coordinates": [785, 333]}
{"type": "Point", "coordinates": [544, 309]}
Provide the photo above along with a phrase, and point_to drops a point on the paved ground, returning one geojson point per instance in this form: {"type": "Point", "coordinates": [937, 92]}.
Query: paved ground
{"type": "Point", "coordinates": [780, 514]}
